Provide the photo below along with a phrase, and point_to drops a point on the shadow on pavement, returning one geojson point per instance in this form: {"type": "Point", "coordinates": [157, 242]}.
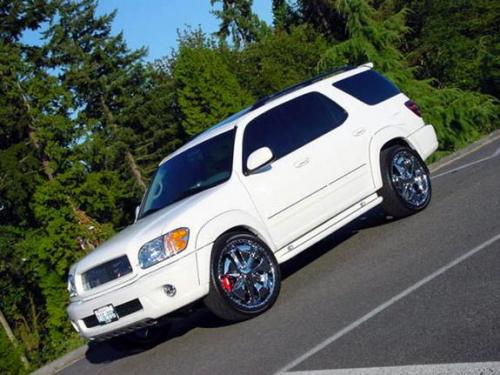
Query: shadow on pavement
{"type": "Point", "coordinates": [106, 352]}
{"type": "Point", "coordinates": [373, 218]}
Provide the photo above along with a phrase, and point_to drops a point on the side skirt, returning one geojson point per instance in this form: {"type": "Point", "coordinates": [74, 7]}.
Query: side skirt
{"type": "Point", "coordinates": [327, 228]}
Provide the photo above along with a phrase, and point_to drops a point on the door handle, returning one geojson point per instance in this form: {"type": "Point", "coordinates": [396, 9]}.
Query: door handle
{"type": "Point", "coordinates": [359, 132]}
{"type": "Point", "coordinates": [301, 163]}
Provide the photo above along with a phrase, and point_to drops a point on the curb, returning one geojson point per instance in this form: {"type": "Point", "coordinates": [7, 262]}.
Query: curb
{"type": "Point", "coordinates": [443, 162]}
{"type": "Point", "coordinates": [66, 360]}
{"type": "Point", "coordinates": [79, 353]}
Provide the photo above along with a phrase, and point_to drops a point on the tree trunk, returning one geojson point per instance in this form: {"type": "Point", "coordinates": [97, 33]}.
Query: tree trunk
{"type": "Point", "coordinates": [12, 338]}
{"type": "Point", "coordinates": [131, 162]}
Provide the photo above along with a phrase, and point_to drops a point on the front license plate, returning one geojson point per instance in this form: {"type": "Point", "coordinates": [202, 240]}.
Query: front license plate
{"type": "Point", "coordinates": [106, 314]}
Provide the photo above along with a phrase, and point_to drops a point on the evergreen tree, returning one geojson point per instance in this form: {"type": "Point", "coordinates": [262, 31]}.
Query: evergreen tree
{"type": "Point", "coordinates": [374, 35]}
{"type": "Point", "coordinates": [278, 60]}
{"type": "Point", "coordinates": [239, 22]}
{"type": "Point", "coordinates": [105, 76]}
{"type": "Point", "coordinates": [84, 121]}
{"type": "Point", "coordinates": [207, 89]}
{"type": "Point", "coordinates": [457, 42]}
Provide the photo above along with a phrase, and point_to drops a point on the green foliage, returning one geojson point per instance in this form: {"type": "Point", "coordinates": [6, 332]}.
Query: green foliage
{"type": "Point", "coordinates": [207, 89]}
{"type": "Point", "coordinates": [279, 60]}
{"type": "Point", "coordinates": [458, 43]}
{"type": "Point", "coordinates": [459, 116]}
{"type": "Point", "coordinates": [238, 20]}
{"type": "Point", "coordinates": [10, 363]}
{"type": "Point", "coordinates": [84, 120]}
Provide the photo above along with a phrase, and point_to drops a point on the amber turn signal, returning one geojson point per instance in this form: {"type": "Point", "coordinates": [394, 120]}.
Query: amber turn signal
{"type": "Point", "coordinates": [176, 241]}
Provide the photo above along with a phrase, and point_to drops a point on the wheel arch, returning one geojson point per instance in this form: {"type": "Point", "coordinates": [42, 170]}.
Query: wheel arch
{"type": "Point", "coordinates": [383, 139]}
{"type": "Point", "coordinates": [229, 221]}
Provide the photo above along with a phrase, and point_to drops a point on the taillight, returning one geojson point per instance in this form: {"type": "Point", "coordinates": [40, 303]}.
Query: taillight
{"type": "Point", "coordinates": [412, 106]}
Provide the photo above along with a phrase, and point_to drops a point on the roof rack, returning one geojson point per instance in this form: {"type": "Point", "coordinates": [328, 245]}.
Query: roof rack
{"type": "Point", "coordinates": [310, 81]}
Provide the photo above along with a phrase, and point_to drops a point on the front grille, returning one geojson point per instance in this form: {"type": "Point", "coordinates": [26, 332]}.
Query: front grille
{"type": "Point", "coordinates": [122, 310]}
{"type": "Point", "coordinates": [106, 272]}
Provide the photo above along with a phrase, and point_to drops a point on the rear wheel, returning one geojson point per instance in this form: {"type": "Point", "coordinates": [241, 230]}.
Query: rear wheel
{"type": "Point", "coordinates": [245, 277]}
{"type": "Point", "coordinates": [406, 181]}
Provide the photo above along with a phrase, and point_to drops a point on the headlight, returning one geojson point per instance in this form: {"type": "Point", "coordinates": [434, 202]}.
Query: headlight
{"type": "Point", "coordinates": [71, 286]}
{"type": "Point", "coordinates": [163, 247]}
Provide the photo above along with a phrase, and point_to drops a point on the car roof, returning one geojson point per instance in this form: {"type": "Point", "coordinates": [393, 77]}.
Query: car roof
{"type": "Point", "coordinates": [231, 121]}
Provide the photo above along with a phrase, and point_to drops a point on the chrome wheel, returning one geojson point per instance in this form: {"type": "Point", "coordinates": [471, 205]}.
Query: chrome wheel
{"type": "Point", "coordinates": [410, 178]}
{"type": "Point", "coordinates": [246, 273]}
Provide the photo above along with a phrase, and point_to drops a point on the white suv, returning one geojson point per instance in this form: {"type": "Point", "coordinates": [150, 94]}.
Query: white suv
{"type": "Point", "coordinates": [227, 208]}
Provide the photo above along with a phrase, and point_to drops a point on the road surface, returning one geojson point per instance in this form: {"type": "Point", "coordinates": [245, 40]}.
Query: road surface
{"type": "Point", "coordinates": [418, 296]}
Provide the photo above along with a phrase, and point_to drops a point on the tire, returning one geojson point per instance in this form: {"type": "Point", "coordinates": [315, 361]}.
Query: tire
{"type": "Point", "coordinates": [245, 277]}
{"type": "Point", "coordinates": [406, 182]}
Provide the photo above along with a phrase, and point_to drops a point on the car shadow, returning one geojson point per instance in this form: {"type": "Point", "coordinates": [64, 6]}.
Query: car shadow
{"type": "Point", "coordinates": [110, 351]}
{"type": "Point", "coordinates": [106, 352]}
{"type": "Point", "coordinates": [373, 218]}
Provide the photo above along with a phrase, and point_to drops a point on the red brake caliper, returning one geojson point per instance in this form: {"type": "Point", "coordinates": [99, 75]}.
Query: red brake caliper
{"type": "Point", "coordinates": [226, 283]}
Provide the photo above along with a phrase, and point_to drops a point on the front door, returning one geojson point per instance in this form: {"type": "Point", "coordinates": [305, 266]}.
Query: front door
{"type": "Point", "coordinates": [297, 191]}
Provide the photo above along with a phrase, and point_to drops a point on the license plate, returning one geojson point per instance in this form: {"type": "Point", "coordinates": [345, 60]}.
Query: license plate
{"type": "Point", "coordinates": [106, 314]}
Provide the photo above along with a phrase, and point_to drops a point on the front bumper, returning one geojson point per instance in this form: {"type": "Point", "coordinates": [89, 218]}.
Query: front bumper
{"type": "Point", "coordinates": [142, 301]}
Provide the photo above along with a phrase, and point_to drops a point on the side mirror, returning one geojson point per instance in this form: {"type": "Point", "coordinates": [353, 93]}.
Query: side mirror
{"type": "Point", "coordinates": [259, 158]}
{"type": "Point", "coordinates": [137, 213]}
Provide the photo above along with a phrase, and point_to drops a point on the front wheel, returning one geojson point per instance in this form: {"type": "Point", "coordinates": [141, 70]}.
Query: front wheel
{"type": "Point", "coordinates": [406, 182]}
{"type": "Point", "coordinates": [245, 277]}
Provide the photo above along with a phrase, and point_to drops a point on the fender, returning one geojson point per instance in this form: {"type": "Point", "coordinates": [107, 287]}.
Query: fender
{"type": "Point", "coordinates": [378, 140]}
{"type": "Point", "coordinates": [217, 226]}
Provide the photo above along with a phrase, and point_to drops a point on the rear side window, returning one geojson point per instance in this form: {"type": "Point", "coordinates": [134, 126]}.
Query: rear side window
{"type": "Point", "coordinates": [292, 124]}
{"type": "Point", "coordinates": [370, 87]}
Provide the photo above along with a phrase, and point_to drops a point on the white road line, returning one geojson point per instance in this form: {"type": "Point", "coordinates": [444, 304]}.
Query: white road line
{"type": "Point", "coordinates": [386, 304]}
{"type": "Point", "coordinates": [474, 368]}
{"type": "Point", "coordinates": [494, 155]}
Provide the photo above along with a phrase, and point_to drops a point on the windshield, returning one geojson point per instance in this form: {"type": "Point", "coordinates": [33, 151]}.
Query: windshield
{"type": "Point", "coordinates": [201, 167]}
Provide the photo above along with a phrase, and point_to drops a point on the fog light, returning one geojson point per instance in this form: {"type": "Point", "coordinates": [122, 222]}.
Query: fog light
{"type": "Point", "coordinates": [169, 290]}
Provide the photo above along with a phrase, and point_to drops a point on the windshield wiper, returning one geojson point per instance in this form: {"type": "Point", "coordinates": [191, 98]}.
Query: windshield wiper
{"type": "Point", "coordinates": [193, 191]}
{"type": "Point", "coordinates": [181, 196]}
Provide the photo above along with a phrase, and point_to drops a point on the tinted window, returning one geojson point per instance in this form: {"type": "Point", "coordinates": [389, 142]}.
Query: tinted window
{"type": "Point", "coordinates": [292, 124]}
{"type": "Point", "coordinates": [196, 169]}
{"type": "Point", "coordinates": [370, 87]}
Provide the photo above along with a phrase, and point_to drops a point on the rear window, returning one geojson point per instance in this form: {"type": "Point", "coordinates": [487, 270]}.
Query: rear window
{"type": "Point", "coordinates": [370, 87]}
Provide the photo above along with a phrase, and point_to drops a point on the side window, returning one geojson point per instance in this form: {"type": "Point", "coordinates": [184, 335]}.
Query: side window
{"type": "Point", "coordinates": [267, 130]}
{"type": "Point", "coordinates": [310, 116]}
{"type": "Point", "coordinates": [370, 87]}
{"type": "Point", "coordinates": [292, 125]}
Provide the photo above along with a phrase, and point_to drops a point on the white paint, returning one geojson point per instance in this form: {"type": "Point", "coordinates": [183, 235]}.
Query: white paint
{"type": "Point", "coordinates": [472, 163]}
{"type": "Point", "coordinates": [387, 304]}
{"type": "Point", "coordinates": [485, 368]}
{"type": "Point", "coordinates": [295, 200]}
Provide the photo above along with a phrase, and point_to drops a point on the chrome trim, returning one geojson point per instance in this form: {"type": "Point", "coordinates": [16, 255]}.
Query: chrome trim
{"type": "Point", "coordinates": [410, 178]}
{"type": "Point", "coordinates": [246, 273]}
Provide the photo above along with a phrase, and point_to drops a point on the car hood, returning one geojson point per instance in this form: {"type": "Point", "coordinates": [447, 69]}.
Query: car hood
{"type": "Point", "coordinates": [129, 240]}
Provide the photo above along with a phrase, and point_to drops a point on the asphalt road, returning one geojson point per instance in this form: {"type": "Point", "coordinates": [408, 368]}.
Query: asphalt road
{"type": "Point", "coordinates": [418, 295]}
